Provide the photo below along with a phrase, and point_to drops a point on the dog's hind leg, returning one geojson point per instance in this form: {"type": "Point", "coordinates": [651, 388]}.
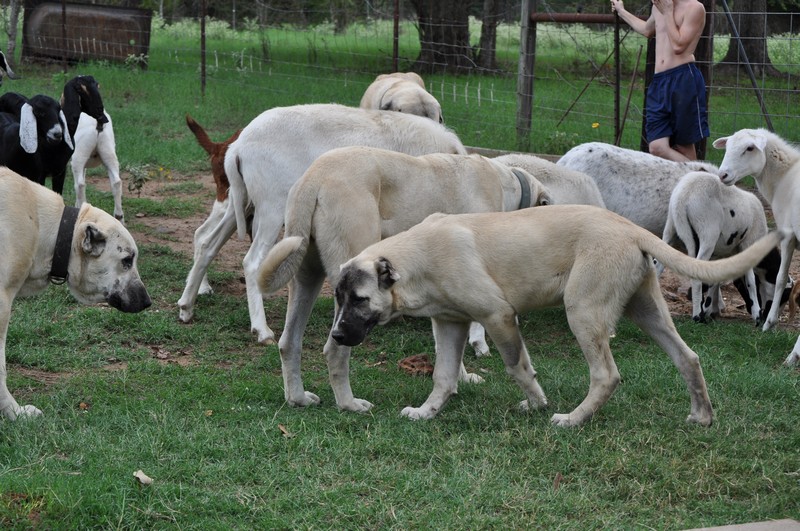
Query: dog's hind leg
{"type": "Point", "coordinates": [649, 311]}
{"type": "Point", "coordinates": [303, 291]}
{"type": "Point", "coordinates": [8, 406]}
{"type": "Point", "coordinates": [451, 339]}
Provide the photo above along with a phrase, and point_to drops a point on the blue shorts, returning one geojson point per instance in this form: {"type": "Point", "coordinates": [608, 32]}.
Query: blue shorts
{"type": "Point", "coordinates": [676, 106]}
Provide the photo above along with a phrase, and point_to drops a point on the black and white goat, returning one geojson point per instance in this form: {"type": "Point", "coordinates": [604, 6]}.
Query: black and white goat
{"type": "Point", "coordinates": [36, 134]}
{"type": "Point", "coordinates": [93, 135]}
{"type": "Point", "coordinates": [34, 139]}
{"type": "Point", "coordinates": [5, 68]}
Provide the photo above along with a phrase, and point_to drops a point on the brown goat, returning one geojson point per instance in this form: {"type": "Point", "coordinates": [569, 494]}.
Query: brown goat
{"type": "Point", "coordinates": [216, 151]}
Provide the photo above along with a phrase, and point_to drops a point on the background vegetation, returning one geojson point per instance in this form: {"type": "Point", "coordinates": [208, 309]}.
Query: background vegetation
{"type": "Point", "coordinates": [200, 408]}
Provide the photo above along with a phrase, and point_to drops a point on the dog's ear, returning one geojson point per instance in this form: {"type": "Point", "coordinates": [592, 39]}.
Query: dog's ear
{"type": "Point", "coordinates": [94, 241]}
{"type": "Point", "coordinates": [27, 129]}
{"type": "Point", "coordinates": [67, 137]}
{"type": "Point", "coordinates": [387, 275]}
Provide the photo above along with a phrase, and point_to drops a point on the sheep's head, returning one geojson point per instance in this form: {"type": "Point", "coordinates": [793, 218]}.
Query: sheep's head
{"type": "Point", "coordinates": [744, 155]}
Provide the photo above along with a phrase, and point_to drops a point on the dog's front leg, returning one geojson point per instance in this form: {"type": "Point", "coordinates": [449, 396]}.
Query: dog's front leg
{"type": "Point", "coordinates": [338, 358]}
{"type": "Point", "coordinates": [8, 406]}
{"type": "Point", "coordinates": [450, 338]}
{"type": "Point", "coordinates": [794, 356]}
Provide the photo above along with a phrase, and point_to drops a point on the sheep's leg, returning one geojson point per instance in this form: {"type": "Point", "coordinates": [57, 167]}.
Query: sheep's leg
{"type": "Point", "coordinates": [79, 176]}
{"type": "Point", "coordinates": [477, 338]}
{"type": "Point", "coordinates": [202, 233]}
{"type": "Point", "coordinates": [204, 253]}
{"type": "Point", "coordinates": [787, 246]}
{"type": "Point", "coordinates": [750, 284]}
{"type": "Point", "coordinates": [112, 165]}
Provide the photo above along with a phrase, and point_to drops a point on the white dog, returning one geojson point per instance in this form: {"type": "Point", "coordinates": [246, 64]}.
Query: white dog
{"type": "Point", "coordinates": [492, 267]}
{"type": "Point", "coordinates": [352, 197]}
{"type": "Point", "coordinates": [402, 92]}
{"type": "Point", "coordinates": [271, 154]}
{"type": "Point", "coordinates": [44, 241]}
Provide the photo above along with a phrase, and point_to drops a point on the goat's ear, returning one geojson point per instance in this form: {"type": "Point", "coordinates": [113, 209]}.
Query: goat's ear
{"type": "Point", "coordinates": [27, 129]}
{"type": "Point", "coordinates": [94, 241]}
{"type": "Point", "coordinates": [67, 137]}
{"type": "Point", "coordinates": [721, 143]}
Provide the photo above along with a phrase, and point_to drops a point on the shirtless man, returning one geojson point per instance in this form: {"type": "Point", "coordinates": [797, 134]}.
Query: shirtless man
{"type": "Point", "coordinates": [677, 116]}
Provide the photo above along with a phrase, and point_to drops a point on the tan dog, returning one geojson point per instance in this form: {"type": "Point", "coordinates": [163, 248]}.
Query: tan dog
{"type": "Point", "coordinates": [352, 197]}
{"type": "Point", "coordinates": [44, 241]}
{"type": "Point", "coordinates": [491, 267]}
{"type": "Point", "coordinates": [401, 92]}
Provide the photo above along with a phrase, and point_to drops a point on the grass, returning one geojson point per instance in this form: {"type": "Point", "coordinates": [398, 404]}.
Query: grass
{"type": "Point", "coordinates": [199, 407]}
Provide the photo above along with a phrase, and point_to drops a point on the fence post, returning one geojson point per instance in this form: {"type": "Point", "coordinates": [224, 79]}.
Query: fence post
{"type": "Point", "coordinates": [525, 75]}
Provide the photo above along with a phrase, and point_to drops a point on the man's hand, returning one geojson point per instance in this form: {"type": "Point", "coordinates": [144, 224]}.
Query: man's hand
{"type": "Point", "coordinates": [617, 6]}
{"type": "Point", "coordinates": [664, 6]}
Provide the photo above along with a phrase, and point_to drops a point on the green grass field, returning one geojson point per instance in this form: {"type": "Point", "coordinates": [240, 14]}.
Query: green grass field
{"type": "Point", "coordinates": [200, 408]}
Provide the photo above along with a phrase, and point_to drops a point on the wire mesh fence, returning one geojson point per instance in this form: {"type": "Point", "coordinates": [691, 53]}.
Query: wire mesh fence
{"type": "Point", "coordinates": [279, 59]}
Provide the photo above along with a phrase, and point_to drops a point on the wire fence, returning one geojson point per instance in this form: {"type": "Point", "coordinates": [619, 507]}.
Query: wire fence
{"type": "Point", "coordinates": [574, 83]}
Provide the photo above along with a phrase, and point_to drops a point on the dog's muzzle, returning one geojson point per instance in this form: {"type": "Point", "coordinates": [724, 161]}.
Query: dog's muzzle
{"type": "Point", "coordinates": [132, 300]}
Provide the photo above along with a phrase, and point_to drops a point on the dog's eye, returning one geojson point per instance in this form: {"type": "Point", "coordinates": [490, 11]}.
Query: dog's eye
{"type": "Point", "coordinates": [127, 262]}
{"type": "Point", "coordinates": [357, 299]}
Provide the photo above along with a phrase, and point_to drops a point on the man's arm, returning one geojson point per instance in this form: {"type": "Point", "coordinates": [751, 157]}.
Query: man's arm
{"type": "Point", "coordinates": [645, 27]}
{"type": "Point", "coordinates": [683, 36]}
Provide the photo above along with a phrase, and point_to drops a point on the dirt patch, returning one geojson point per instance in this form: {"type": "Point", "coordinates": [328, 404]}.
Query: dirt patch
{"type": "Point", "coordinates": [178, 235]}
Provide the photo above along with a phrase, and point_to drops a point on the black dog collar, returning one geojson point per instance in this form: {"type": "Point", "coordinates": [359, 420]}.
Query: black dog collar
{"type": "Point", "coordinates": [525, 198]}
{"type": "Point", "coordinates": [58, 270]}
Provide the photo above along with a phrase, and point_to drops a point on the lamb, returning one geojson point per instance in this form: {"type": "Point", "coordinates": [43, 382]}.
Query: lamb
{"type": "Point", "coordinates": [775, 166]}
{"type": "Point", "coordinates": [638, 186]}
{"type": "Point", "coordinates": [93, 134]}
{"type": "Point", "coordinates": [794, 299]}
{"type": "Point", "coordinates": [271, 153]}
{"type": "Point", "coordinates": [714, 221]}
{"type": "Point", "coordinates": [34, 138]}
{"type": "Point", "coordinates": [566, 186]}
{"type": "Point", "coordinates": [402, 92]}
{"type": "Point", "coordinates": [216, 152]}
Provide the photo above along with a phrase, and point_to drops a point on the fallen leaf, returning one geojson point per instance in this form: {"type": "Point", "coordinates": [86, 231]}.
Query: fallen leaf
{"type": "Point", "coordinates": [557, 481]}
{"type": "Point", "coordinates": [142, 478]}
{"type": "Point", "coordinates": [286, 433]}
{"type": "Point", "coordinates": [209, 412]}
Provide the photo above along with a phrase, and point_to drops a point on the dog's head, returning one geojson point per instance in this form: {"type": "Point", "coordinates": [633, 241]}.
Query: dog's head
{"type": "Point", "coordinates": [363, 298]}
{"type": "Point", "coordinates": [410, 98]}
{"type": "Point", "coordinates": [102, 264]}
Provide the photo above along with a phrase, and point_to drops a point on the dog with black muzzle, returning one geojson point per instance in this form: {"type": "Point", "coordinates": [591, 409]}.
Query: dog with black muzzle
{"type": "Point", "coordinates": [44, 241]}
{"type": "Point", "coordinates": [492, 267]}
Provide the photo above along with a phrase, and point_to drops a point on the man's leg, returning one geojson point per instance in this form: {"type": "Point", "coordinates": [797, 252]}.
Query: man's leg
{"type": "Point", "coordinates": [660, 148]}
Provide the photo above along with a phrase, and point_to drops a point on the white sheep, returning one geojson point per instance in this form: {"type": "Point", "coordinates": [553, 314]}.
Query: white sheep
{"type": "Point", "coordinates": [271, 154]}
{"type": "Point", "coordinates": [714, 221]}
{"type": "Point", "coordinates": [775, 166]}
{"type": "Point", "coordinates": [402, 92]}
{"type": "Point", "coordinates": [633, 184]}
{"type": "Point", "coordinates": [93, 147]}
{"type": "Point", "coordinates": [566, 186]}
{"type": "Point", "coordinates": [638, 186]}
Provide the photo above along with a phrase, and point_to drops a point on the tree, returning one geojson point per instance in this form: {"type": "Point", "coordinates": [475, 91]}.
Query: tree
{"type": "Point", "coordinates": [751, 23]}
{"type": "Point", "coordinates": [443, 36]}
{"type": "Point", "coordinates": [11, 29]}
{"type": "Point", "coordinates": [487, 58]}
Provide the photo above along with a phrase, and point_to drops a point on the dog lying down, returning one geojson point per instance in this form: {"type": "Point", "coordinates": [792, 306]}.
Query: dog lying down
{"type": "Point", "coordinates": [491, 267]}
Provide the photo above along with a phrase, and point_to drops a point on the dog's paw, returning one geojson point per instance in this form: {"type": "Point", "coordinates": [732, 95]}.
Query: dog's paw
{"type": "Point", "coordinates": [359, 405]}
{"type": "Point", "coordinates": [470, 377]}
{"type": "Point", "coordinates": [306, 399]}
{"type": "Point", "coordinates": [22, 413]}
{"type": "Point", "coordinates": [416, 413]}
{"type": "Point", "coordinates": [563, 420]}
{"type": "Point", "coordinates": [526, 405]}
{"type": "Point", "coordinates": [792, 359]}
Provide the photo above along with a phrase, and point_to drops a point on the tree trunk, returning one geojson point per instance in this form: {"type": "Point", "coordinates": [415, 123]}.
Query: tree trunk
{"type": "Point", "coordinates": [11, 31]}
{"type": "Point", "coordinates": [487, 58]}
{"type": "Point", "coordinates": [751, 23]}
{"type": "Point", "coordinates": [443, 37]}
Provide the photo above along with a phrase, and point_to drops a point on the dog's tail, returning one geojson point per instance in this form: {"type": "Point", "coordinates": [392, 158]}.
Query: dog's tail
{"type": "Point", "coordinates": [714, 271]}
{"type": "Point", "coordinates": [284, 259]}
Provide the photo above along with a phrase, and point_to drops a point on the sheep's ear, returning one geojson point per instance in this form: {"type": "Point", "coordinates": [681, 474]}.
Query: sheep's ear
{"type": "Point", "coordinates": [67, 137]}
{"type": "Point", "coordinates": [721, 143]}
{"type": "Point", "coordinates": [27, 129]}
